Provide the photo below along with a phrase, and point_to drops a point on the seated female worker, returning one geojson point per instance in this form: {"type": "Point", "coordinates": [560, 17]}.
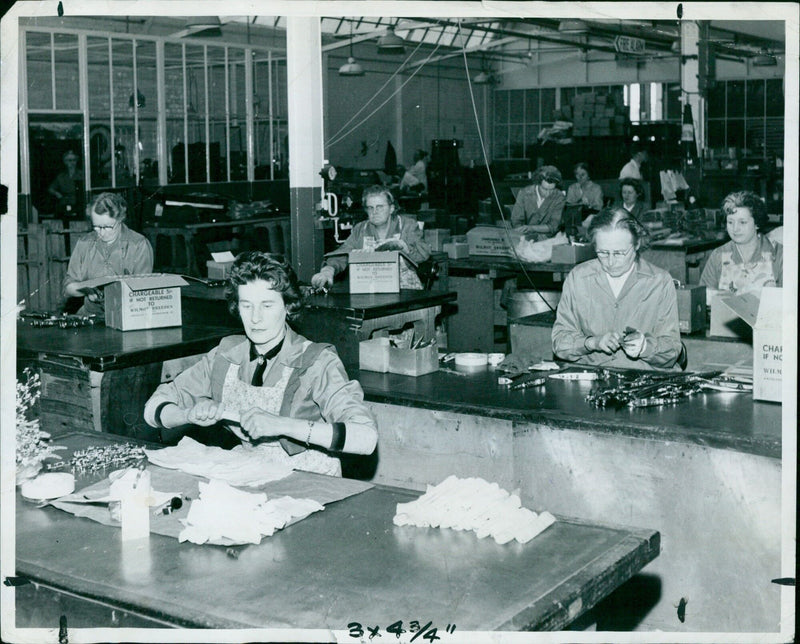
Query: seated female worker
{"type": "Point", "coordinates": [631, 192]}
{"type": "Point", "coordinates": [274, 388]}
{"type": "Point", "coordinates": [584, 192]}
{"type": "Point", "coordinates": [383, 230]}
{"type": "Point", "coordinates": [749, 261]}
{"type": "Point", "coordinates": [539, 207]}
{"type": "Point", "coordinates": [618, 310]}
{"type": "Point", "coordinates": [111, 249]}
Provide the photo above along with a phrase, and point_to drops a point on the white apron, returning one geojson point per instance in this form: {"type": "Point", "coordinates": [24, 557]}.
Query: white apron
{"type": "Point", "coordinates": [240, 396]}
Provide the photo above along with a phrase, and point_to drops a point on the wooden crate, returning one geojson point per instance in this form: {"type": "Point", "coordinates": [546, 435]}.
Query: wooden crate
{"type": "Point", "coordinates": [32, 278]}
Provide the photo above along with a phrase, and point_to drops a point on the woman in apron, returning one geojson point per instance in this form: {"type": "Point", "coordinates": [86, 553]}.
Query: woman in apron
{"type": "Point", "coordinates": [384, 229]}
{"type": "Point", "coordinates": [285, 395]}
{"type": "Point", "coordinates": [749, 261]}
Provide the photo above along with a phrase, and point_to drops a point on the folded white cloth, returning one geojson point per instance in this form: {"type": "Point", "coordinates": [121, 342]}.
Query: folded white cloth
{"type": "Point", "coordinates": [476, 505]}
{"type": "Point", "coordinates": [244, 465]}
{"type": "Point", "coordinates": [225, 514]}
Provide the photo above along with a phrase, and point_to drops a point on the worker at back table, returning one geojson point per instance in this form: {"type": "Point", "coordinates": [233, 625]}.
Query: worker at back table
{"type": "Point", "coordinates": [111, 249]}
{"type": "Point", "coordinates": [384, 229]}
{"type": "Point", "coordinates": [618, 310]}
{"type": "Point", "coordinates": [749, 261]}
{"type": "Point", "coordinates": [539, 207]}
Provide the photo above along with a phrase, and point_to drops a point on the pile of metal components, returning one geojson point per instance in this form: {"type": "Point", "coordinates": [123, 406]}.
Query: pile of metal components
{"type": "Point", "coordinates": [652, 389]}
{"type": "Point", "coordinates": [61, 320]}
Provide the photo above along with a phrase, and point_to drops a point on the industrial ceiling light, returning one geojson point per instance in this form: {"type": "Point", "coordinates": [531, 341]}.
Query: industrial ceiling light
{"type": "Point", "coordinates": [675, 48]}
{"type": "Point", "coordinates": [573, 26]}
{"type": "Point", "coordinates": [351, 67]}
{"type": "Point", "coordinates": [764, 58]}
{"type": "Point", "coordinates": [482, 78]}
{"type": "Point", "coordinates": [391, 43]}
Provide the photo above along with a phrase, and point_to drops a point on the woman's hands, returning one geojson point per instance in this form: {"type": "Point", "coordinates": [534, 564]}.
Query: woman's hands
{"type": "Point", "coordinates": [257, 423]}
{"type": "Point", "coordinates": [607, 343]}
{"type": "Point", "coordinates": [204, 413]}
{"type": "Point", "coordinates": [632, 342]}
{"type": "Point", "coordinates": [323, 279]}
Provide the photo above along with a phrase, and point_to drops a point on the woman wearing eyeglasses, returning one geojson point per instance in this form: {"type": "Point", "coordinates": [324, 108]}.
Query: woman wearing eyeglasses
{"type": "Point", "coordinates": [383, 230]}
{"type": "Point", "coordinates": [110, 249]}
{"type": "Point", "coordinates": [539, 207]}
{"type": "Point", "coordinates": [618, 310]}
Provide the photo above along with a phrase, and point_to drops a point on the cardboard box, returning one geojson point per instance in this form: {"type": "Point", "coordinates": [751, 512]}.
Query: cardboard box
{"type": "Point", "coordinates": [456, 250]}
{"type": "Point", "coordinates": [572, 253]}
{"type": "Point", "coordinates": [137, 302]}
{"type": "Point", "coordinates": [219, 266]}
{"type": "Point", "coordinates": [492, 240]}
{"type": "Point", "coordinates": [373, 354]}
{"type": "Point", "coordinates": [692, 309]}
{"type": "Point", "coordinates": [374, 271]}
{"type": "Point", "coordinates": [414, 362]}
{"type": "Point", "coordinates": [726, 323]}
{"type": "Point", "coordinates": [437, 237]}
{"type": "Point", "coordinates": [765, 315]}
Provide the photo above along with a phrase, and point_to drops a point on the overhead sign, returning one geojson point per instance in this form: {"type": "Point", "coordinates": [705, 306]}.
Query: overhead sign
{"type": "Point", "coordinates": [629, 45]}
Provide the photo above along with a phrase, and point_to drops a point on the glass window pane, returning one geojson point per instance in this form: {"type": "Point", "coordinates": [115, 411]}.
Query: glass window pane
{"type": "Point", "coordinates": [218, 108]}
{"type": "Point", "coordinates": [501, 142]}
{"type": "Point", "coordinates": [147, 106]}
{"type": "Point", "coordinates": [517, 141]}
{"type": "Point", "coordinates": [532, 106]}
{"type": "Point", "coordinates": [735, 133]}
{"type": "Point", "coordinates": [98, 70]}
{"type": "Point", "coordinates": [754, 137]}
{"type": "Point", "coordinates": [672, 101]}
{"type": "Point", "coordinates": [516, 106]}
{"type": "Point", "coordinates": [716, 134]}
{"type": "Point", "coordinates": [66, 65]}
{"type": "Point", "coordinates": [755, 98]}
{"type": "Point", "coordinates": [124, 145]}
{"type": "Point", "coordinates": [238, 114]}
{"type": "Point", "coordinates": [716, 100]}
{"type": "Point", "coordinates": [501, 106]}
{"type": "Point", "coordinates": [40, 77]}
{"type": "Point", "coordinates": [735, 98]}
{"type": "Point", "coordinates": [548, 104]}
{"type": "Point", "coordinates": [174, 88]}
{"type": "Point", "coordinates": [122, 65]}
{"type": "Point", "coordinates": [775, 97]}
{"type": "Point", "coordinates": [196, 111]}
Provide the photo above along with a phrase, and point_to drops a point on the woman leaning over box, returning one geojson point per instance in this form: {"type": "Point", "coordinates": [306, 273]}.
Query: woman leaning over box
{"type": "Point", "coordinates": [273, 388]}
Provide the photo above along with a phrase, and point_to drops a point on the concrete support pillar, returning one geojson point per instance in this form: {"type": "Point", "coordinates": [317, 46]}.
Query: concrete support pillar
{"type": "Point", "coordinates": [690, 82]}
{"type": "Point", "coordinates": [306, 151]}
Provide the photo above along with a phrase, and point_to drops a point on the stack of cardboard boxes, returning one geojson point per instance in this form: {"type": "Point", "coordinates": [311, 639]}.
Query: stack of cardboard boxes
{"type": "Point", "coordinates": [598, 114]}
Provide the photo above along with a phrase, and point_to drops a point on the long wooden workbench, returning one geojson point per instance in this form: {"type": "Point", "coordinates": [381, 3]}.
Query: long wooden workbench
{"type": "Point", "coordinates": [348, 564]}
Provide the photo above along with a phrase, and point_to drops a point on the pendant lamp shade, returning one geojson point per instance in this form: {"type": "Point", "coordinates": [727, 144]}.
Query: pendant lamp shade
{"type": "Point", "coordinates": [351, 68]}
{"type": "Point", "coordinates": [764, 59]}
{"type": "Point", "coordinates": [391, 43]}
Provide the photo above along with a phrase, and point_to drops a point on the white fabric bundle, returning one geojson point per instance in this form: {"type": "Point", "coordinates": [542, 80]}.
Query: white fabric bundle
{"type": "Point", "coordinates": [476, 505]}
{"type": "Point", "coordinates": [244, 465]}
{"type": "Point", "coordinates": [225, 514]}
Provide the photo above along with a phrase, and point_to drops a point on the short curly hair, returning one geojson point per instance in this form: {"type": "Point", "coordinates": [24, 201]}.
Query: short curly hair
{"type": "Point", "coordinates": [108, 203]}
{"type": "Point", "coordinates": [633, 183]}
{"type": "Point", "coordinates": [274, 269]}
{"type": "Point", "coordinates": [620, 219]}
{"type": "Point", "coordinates": [375, 191]}
{"type": "Point", "coordinates": [751, 201]}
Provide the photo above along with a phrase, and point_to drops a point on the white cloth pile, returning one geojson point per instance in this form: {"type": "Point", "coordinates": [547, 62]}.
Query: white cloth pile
{"type": "Point", "coordinates": [224, 514]}
{"type": "Point", "coordinates": [476, 505]}
{"type": "Point", "coordinates": [242, 466]}
{"type": "Point", "coordinates": [539, 251]}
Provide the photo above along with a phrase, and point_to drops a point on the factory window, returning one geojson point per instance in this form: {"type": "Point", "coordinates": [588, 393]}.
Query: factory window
{"type": "Point", "coordinates": [156, 110]}
{"type": "Point", "coordinates": [746, 115]}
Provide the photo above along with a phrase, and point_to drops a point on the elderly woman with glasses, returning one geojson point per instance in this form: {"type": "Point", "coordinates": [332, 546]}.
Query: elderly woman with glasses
{"type": "Point", "coordinates": [110, 249]}
{"type": "Point", "coordinates": [383, 230]}
{"type": "Point", "coordinates": [539, 207]}
{"type": "Point", "coordinates": [288, 397]}
{"type": "Point", "coordinates": [618, 310]}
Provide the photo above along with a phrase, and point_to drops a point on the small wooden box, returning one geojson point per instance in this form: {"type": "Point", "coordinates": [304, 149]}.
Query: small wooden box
{"type": "Point", "coordinates": [414, 362]}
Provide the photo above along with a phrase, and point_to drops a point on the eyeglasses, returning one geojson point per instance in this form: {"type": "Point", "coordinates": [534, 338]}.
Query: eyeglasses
{"type": "Point", "coordinates": [616, 254]}
{"type": "Point", "coordinates": [101, 228]}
